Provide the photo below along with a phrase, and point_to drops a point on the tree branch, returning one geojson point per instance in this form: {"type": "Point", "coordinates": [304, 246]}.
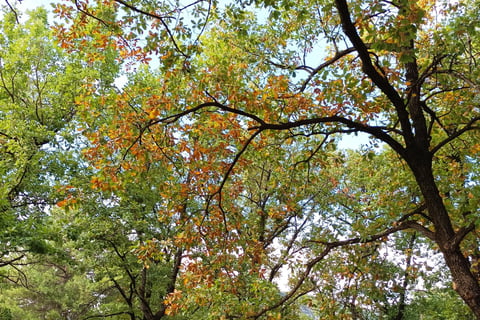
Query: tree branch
{"type": "Point", "coordinates": [469, 126]}
{"type": "Point", "coordinates": [234, 162]}
{"type": "Point", "coordinates": [377, 132]}
{"type": "Point", "coordinates": [13, 10]}
{"type": "Point", "coordinates": [329, 246]}
{"type": "Point", "coordinates": [461, 234]}
{"type": "Point", "coordinates": [87, 13]}
{"type": "Point", "coordinates": [177, 116]}
{"type": "Point", "coordinates": [172, 281]}
{"type": "Point", "coordinates": [378, 79]}
{"type": "Point", "coordinates": [335, 58]}
{"type": "Point", "coordinates": [12, 261]}
{"type": "Point", "coordinates": [108, 315]}
{"type": "Point", "coordinates": [162, 21]}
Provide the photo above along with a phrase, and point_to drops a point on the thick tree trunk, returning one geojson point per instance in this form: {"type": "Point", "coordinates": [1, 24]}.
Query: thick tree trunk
{"type": "Point", "coordinates": [465, 282]}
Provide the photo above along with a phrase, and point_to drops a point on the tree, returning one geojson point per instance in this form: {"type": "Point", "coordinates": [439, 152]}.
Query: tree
{"type": "Point", "coordinates": [136, 255]}
{"type": "Point", "coordinates": [150, 259]}
{"type": "Point", "coordinates": [55, 287]}
{"type": "Point", "coordinates": [38, 155]}
{"type": "Point", "coordinates": [440, 303]}
{"type": "Point", "coordinates": [38, 86]}
{"type": "Point", "coordinates": [235, 90]}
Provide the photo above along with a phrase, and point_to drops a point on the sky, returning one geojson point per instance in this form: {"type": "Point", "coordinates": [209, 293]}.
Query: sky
{"type": "Point", "coordinates": [30, 4]}
{"type": "Point", "coordinates": [24, 5]}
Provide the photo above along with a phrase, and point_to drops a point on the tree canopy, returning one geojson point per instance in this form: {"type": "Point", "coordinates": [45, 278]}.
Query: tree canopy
{"type": "Point", "coordinates": [186, 156]}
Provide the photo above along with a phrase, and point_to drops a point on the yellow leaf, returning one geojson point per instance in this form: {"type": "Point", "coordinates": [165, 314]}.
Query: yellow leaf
{"type": "Point", "coordinates": [153, 114]}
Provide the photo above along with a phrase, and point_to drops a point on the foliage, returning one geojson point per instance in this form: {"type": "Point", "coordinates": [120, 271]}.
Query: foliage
{"type": "Point", "coordinates": [38, 86]}
{"type": "Point", "coordinates": [439, 303]}
{"type": "Point", "coordinates": [213, 168]}
{"type": "Point", "coordinates": [243, 114]}
{"type": "Point", "coordinates": [39, 155]}
{"type": "Point", "coordinates": [53, 292]}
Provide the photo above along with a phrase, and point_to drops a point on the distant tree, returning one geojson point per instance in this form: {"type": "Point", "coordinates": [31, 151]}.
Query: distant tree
{"type": "Point", "coordinates": [38, 86]}
{"type": "Point", "coordinates": [439, 303]}
{"type": "Point", "coordinates": [39, 154]}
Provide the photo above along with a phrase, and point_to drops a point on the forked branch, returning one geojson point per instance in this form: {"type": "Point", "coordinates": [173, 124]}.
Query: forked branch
{"type": "Point", "coordinates": [401, 224]}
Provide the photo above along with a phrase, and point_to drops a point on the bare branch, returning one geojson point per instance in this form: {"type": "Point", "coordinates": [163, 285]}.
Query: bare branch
{"type": "Point", "coordinates": [308, 268]}
{"type": "Point", "coordinates": [314, 152]}
{"type": "Point", "coordinates": [206, 18]}
{"type": "Point", "coordinates": [171, 282]}
{"type": "Point", "coordinates": [431, 95]}
{"type": "Point", "coordinates": [287, 250]}
{"type": "Point", "coordinates": [235, 160]}
{"type": "Point", "coordinates": [84, 10]}
{"type": "Point", "coordinates": [418, 210]}
{"type": "Point", "coordinates": [12, 261]}
{"type": "Point", "coordinates": [176, 117]}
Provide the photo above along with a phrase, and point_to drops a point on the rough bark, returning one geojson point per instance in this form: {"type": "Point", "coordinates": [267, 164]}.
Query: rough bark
{"type": "Point", "coordinates": [464, 281]}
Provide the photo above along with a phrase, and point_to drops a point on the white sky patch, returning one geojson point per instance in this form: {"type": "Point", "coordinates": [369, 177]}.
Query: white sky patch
{"type": "Point", "coordinates": [353, 141]}
{"type": "Point", "coordinates": [32, 4]}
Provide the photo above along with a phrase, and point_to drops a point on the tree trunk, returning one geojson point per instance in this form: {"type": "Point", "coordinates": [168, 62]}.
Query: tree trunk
{"type": "Point", "coordinates": [464, 281]}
